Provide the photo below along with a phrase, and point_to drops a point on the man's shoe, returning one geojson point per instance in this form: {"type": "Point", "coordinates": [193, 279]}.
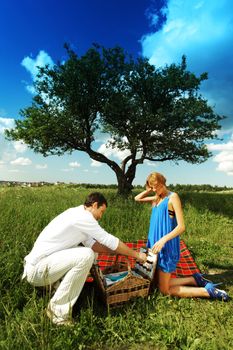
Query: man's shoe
{"type": "Point", "coordinates": [58, 320]}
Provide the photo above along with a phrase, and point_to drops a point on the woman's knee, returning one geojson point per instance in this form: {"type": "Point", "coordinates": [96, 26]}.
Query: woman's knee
{"type": "Point", "coordinates": [164, 281]}
{"type": "Point", "coordinates": [164, 290]}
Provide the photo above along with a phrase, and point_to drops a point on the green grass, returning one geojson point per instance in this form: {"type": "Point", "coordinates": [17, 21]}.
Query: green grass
{"type": "Point", "coordinates": [157, 323]}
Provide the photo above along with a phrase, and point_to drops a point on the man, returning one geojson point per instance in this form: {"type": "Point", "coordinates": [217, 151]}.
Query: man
{"type": "Point", "coordinates": [66, 249]}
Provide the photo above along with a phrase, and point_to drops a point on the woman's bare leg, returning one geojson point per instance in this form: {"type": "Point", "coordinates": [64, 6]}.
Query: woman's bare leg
{"type": "Point", "coordinates": [163, 280]}
{"type": "Point", "coordinates": [183, 281]}
{"type": "Point", "coordinates": [167, 287]}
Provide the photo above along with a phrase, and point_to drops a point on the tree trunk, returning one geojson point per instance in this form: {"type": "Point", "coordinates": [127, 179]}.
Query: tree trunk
{"type": "Point", "coordinates": [124, 185]}
{"type": "Point", "coordinates": [124, 179]}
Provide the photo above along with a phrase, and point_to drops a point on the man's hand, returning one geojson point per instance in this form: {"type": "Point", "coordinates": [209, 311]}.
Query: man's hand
{"type": "Point", "coordinates": [142, 257]}
{"type": "Point", "coordinates": [125, 250]}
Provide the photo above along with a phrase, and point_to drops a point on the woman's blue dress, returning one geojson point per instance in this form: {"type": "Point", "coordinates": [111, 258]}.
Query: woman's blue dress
{"type": "Point", "coordinates": [161, 224]}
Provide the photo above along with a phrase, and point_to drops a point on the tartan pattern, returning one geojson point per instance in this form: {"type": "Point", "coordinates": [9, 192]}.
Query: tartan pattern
{"type": "Point", "coordinates": [185, 267]}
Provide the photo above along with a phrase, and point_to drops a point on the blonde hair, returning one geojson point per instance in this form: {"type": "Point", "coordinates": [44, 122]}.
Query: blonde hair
{"type": "Point", "coordinates": [155, 177]}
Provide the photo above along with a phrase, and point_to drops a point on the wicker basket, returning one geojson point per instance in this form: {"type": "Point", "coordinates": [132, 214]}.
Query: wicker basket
{"type": "Point", "coordinates": [117, 294]}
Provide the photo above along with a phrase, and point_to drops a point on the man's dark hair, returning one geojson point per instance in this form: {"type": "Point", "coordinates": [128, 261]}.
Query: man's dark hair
{"type": "Point", "coordinates": [95, 197]}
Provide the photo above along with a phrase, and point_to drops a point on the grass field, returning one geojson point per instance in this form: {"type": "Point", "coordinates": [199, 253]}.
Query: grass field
{"type": "Point", "coordinates": [157, 323]}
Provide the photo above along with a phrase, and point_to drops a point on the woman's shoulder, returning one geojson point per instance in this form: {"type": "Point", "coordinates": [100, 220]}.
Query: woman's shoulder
{"type": "Point", "coordinates": [173, 195]}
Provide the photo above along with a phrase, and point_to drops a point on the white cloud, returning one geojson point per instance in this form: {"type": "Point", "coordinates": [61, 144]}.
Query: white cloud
{"type": "Point", "coordinates": [41, 166]}
{"type": "Point", "coordinates": [74, 165]}
{"type": "Point", "coordinates": [21, 161]}
{"type": "Point", "coordinates": [203, 31]}
{"type": "Point", "coordinates": [32, 64]}
{"type": "Point", "coordinates": [225, 157]}
{"type": "Point", "coordinates": [6, 123]}
{"type": "Point", "coordinates": [226, 167]}
{"type": "Point", "coordinates": [67, 170]}
{"type": "Point", "coordinates": [94, 163]}
{"type": "Point", "coordinates": [31, 89]}
{"type": "Point", "coordinates": [115, 152]}
{"type": "Point", "coordinates": [224, 132]}
{"type": "Point", "coordinates": [41, 60]}
{"type": "Point", "coordinates": [20, 146]}
{"type": "Point", "coordinates": [111, 153]}
{"type": "Point", "coordinates": [8, 149]}
{"type": "Point", "coordinates": [221, 146]}
{"type": "Point", "coordinates": [152, 164]}
{"type": "Point", "coordinates": [187, 28]}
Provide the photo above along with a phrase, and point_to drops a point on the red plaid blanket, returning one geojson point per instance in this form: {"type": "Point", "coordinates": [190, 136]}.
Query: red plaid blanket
{"type": "Point", "coordinates": [185, 267]}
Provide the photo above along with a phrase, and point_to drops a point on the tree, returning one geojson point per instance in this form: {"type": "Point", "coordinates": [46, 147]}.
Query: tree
{"type": "Point", "coordinates": [154, 114]}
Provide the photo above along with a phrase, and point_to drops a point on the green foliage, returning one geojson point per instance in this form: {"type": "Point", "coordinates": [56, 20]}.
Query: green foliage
{"type": "Point", "coordinates": [200, 188]}
{"type": "Point", "coordinates": [159, 323]}
{"type": "Point", "coordinates": [154, 114]}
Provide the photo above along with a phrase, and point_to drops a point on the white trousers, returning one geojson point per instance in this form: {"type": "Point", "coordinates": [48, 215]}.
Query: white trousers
{"type": "Point", "coordinates": [73, 266]}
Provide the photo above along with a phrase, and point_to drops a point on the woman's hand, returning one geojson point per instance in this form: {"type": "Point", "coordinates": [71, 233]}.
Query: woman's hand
{"type": "Point", "coordinates": [158, 246]}
{"type": "Point", "coordinates": [148, 188]}
{"type": "Point", "coordinates": [142, 257]}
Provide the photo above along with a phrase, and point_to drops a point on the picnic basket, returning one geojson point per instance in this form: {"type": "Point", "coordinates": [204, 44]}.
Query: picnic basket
{"type": "Point", "coordinates": [107, 263]}
{"type": "Point", "coordinates": [133, 283]}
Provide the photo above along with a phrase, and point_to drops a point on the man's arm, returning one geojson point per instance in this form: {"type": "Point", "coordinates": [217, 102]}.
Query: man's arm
{"type": "Point", "coordinates": [100, 248]}
{"type": "Point", "coordinates": [122, 249]}
{"type": "Point", "coordinates": [125, 250]}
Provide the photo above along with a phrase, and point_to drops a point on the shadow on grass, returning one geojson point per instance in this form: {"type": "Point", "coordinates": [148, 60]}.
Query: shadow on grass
{"type": "Point", "coordinates": [90, 298]}
{"type": "Point", "coordinates": [216, 275]}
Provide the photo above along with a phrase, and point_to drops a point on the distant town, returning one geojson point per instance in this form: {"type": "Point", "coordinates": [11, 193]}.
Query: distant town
{"type": "Point", "coordinates": [172, 187]}
{"type": "Point", "coordinates": [4, 183]}
{"type": "Point", "coordinates": [29, 183]}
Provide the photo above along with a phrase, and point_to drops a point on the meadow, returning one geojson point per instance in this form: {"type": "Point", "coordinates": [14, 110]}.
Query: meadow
{"type": "Point", "coordinates": [156, 323]}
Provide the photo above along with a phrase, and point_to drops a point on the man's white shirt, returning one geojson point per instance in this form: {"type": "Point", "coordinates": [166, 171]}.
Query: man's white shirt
{"type": "Point", "coordinates": [68, 230]}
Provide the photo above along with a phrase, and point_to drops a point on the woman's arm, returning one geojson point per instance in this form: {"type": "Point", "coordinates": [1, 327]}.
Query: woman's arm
{"type": "Point", "coordinates": [144, 196]}
{"type": "Point", "coordinates": [180, 228]}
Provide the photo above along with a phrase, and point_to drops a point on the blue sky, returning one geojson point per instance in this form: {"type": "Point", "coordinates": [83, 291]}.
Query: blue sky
{"type": "Point", "coordinates": [33, 33]}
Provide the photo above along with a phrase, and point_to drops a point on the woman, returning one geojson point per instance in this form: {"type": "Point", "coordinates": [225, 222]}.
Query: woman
{"type": "Point", "coordinates": [166, 225]}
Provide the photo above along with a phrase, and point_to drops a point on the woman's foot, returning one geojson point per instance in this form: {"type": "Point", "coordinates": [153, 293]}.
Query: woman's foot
{"type": "Point", "coordinates": [200, 280]}
{"type": "Point", "coordinates": [215, 293]}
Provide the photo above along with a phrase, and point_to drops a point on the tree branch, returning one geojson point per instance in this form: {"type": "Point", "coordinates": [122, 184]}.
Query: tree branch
{"type": "Point", "coordinates": [159, 159]}
{"type": "Point", "coordinates": [99, 157]}
{"type": "Point", "coordinates": [125, 161]}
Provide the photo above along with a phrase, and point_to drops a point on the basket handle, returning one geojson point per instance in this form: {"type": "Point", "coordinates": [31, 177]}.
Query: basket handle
{"type": "Point", "coordinates": [124, 262]}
